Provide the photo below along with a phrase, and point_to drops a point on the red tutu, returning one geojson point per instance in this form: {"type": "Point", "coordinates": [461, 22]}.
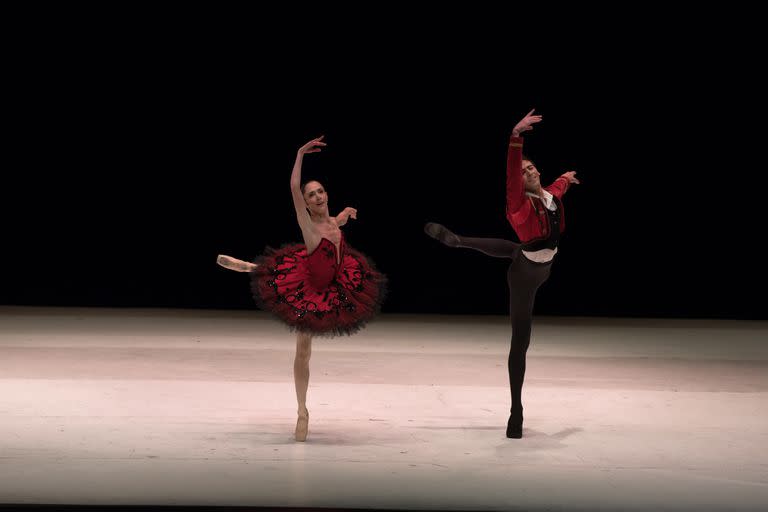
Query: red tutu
{"type": "Point", "coordinates": [318, 293]}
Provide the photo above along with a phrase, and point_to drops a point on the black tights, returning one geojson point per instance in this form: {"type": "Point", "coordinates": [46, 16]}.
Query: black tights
{"type": "Point", "coordinates": [524, 278]}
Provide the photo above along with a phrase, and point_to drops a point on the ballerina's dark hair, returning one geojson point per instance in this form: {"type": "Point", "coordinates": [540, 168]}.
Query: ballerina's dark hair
{"type": "Point", "coordinates": [304, 185]}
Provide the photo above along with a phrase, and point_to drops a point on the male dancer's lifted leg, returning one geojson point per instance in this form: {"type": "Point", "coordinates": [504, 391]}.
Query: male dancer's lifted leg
{"type": "Point", "coordinates": [496, 247]}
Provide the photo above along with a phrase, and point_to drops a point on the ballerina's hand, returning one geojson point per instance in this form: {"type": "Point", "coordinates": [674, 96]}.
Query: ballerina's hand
{"type": "Point", "coordinates": [313, 146]}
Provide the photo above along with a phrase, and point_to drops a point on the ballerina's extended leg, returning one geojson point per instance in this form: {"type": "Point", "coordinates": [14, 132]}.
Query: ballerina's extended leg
{"type": "Point", "coordinates": [234, 264]}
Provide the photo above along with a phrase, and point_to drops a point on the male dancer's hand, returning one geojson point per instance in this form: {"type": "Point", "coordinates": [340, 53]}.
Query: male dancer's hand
{"type": "Point", "coordinates": [571, 177]}
{"type": "Point", "coordinates": [526, 123]}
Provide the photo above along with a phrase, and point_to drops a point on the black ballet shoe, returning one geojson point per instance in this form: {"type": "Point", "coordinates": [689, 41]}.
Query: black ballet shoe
{"type": "Point", "coordinates": [514, 429]}
{"type": "Point", "coordinates": [441, 234]}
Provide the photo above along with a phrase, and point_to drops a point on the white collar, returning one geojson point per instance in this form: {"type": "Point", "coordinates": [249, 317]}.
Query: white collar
{"type": "Point", "coordinates": [547, 199]}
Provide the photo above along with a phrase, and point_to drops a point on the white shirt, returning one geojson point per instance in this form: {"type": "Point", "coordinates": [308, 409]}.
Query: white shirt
{"type": "Point", "coordinates": [543, 255]}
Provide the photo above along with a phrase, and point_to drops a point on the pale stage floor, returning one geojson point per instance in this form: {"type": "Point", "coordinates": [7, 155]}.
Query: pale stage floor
{"type": "Point", "coordinates": [197, 407]}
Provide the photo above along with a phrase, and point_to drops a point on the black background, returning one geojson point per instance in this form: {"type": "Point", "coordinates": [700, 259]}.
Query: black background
{"type": "Point", "coordinates": [140, 147]}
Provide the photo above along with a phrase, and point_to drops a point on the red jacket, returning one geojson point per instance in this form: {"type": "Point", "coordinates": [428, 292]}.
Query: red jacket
{"type": "Point", "coordinates": [527, 214]}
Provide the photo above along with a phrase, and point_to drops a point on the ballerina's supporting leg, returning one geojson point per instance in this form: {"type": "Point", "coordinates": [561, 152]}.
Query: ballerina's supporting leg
{"type": "Point", "coordinates": [301, 378]}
